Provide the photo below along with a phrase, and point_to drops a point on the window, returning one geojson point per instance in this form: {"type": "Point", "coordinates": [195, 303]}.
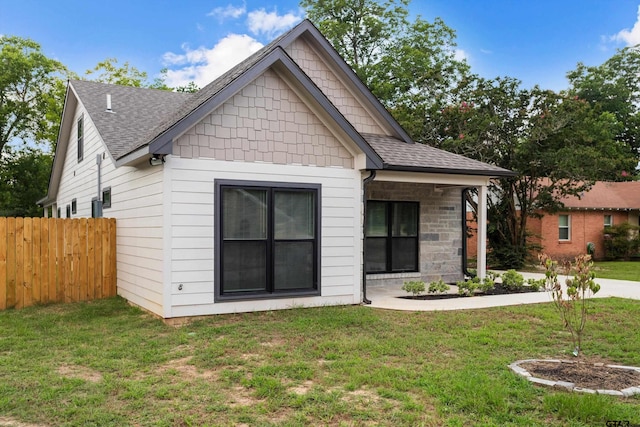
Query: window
{"type": "Point", "coordinates": [74, 206]}
{"type": "Point", "coordinates": [268, 242]}
{"type": "Point", "coordinates": [59, 213]}
{"type": "Point", "coordinates": [564, 227]}
{"type": "Point", "coordinates": [391, 237]}
{"type": "Point", "coordinates": [608, 220]}
{"type": "Point", "coordinates": [68, 211]}
{"type": "Point", "coordinates": [106, 198]}
{"type": "Point", "coordinates": [80, 138]}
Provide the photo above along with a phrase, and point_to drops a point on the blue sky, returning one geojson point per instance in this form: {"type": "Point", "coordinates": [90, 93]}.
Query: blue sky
{"type": "Point", "coordinates": [536, 41]}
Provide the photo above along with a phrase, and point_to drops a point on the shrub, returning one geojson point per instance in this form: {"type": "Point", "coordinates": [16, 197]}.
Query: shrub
{"type": "Point", "coordinates": [536, 284]}
{"type": "Point", "coordinates": [621, 241]}
{"type": "Point", "coordinates": [438, 287]}
{"type": "Point", "coordinates": [487, 284]}
{"type": "Point", "coordinates": [468, 287]}
{"type": "Point", "coordinates": [512, 280]}
{"type": "Point", "coordinates": [572, 306]}
{"type": "Point", "coordinates": [414, 287]}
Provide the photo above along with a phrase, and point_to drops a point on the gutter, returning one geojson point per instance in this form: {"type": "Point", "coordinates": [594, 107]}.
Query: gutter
{"type": "Point", "coordinates": [365, 182]}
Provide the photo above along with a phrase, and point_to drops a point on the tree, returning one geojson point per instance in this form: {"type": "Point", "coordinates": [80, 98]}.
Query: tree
{"type": "Point", "coordinates": [557, 144]}
{"type": "Point", "coordinates": [24, 176]}
{"type": "Point", "coordinates": [409, 66]}
{"type": "Point", "coordinates": [614, 87]}
{"type": "Point", "coordinates": [108, 71]}
{"type": "Point", "coordinates": [29, 92]}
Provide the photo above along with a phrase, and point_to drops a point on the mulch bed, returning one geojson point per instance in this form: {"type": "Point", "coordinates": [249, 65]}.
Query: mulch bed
{"type": "Point", "coordinates": [585, 374]}
{"type": "Point", "coordinates": [497, 290]}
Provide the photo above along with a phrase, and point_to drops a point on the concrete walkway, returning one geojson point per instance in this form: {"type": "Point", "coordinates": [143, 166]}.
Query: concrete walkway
{"type": "Point", "coordinates": [387, 297]}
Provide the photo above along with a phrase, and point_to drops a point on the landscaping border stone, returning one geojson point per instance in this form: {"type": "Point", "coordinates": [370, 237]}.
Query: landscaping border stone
{"type": "Point", "coordinates": [627, 392]}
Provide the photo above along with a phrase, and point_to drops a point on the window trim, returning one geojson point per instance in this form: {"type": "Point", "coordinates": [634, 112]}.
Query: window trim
{"type": "Point", "coordinates": [80, 137]}
{"type": "Point", "coordinates": [106, 190]}
{"type": "Point", "coordinates": [568, 227]}
{"type": "Point", "coordinates": [219, 185]}
{"type": "Point", "coordinates": [74, 206]}
{"type": "Point", "coordinates": [610, 222]}
{"type": "Point", "coordinates": [389, 238]}
{"type": "Point", "coordinates": [68, 211]}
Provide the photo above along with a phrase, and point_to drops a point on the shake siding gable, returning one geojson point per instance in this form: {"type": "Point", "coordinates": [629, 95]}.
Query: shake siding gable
{"type": "Point", "coordinates": [265, 122]}
{"type": "Point", "coordinates": [334, 89]}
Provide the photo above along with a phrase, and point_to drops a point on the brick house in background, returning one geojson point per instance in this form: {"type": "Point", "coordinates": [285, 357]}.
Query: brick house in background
{"type": "Point", "coordinates": [566, 234]}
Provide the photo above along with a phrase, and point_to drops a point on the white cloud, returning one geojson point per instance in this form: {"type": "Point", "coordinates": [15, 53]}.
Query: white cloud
{"type": "Point", "coordinates": [460, 55]}
{"type": "Point", "coordinates": [486, 51]}
{"type": "Point", "coordinates": [230, 11]}
{"type": "Point", "coordinates": [630, 37]}
{"type": "Point", "coordinates": [203, 65]}
{"type": "Point", "coordinates": [270, 24]}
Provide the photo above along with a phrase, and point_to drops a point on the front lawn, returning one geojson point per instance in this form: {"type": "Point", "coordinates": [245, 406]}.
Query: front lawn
{"type": "Point", "coordinates": [105, 363]}
{"type": "Point", "coordinates": [621, 270]}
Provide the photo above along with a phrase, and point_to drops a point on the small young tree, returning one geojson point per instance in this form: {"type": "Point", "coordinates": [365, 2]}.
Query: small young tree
{"type": "Point", "coordinates": [571, 302]}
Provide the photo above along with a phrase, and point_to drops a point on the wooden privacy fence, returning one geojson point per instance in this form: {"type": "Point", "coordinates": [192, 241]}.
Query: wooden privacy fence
{"type": "Point", "coordinates": [44, 260]}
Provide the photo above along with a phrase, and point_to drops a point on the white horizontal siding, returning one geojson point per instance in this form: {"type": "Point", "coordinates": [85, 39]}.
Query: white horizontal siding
{"type": "Point", "coordinates": [192, 233]}
{"type": "Point", "coordinates": [137, 205]}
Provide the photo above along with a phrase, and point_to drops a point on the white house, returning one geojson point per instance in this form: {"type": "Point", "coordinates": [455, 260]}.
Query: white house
{"type": "Point", "coordinates": [248, 195]}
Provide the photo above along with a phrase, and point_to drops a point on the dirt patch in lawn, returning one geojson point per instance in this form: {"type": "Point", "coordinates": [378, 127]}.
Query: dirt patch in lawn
{"type": "Point", "coordinates": [10, 422]}
{"type": "Point", "coordinates": [80, 372]}
{"type": "Point", "coordinates": [585, 374]}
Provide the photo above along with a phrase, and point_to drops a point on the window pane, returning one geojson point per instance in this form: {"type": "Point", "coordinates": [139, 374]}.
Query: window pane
{"type": "Point", "coordinates": [244, 214]}
{"type": "Point", "coordinates": [376, 219]}
{"type": "Point", "coordinates": [405, 219]}
{"type": "Point", "coordinates": [294, 214]}
{"type": "Point", "coordinates": [564, 233]}
{"type": "Point", "coordinates": [404, 254]}
{"type": "Point", "coordinates": [376, 255]}
{"type": "Point", "coordinates": [244, 266]}
{"type": "Point", "coordinates": [563, 220]}
{"type": "Point", "coordinates": [293, 265]}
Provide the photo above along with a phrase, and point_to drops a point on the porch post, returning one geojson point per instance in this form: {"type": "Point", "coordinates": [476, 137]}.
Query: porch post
{"type": "Point", "coordinates": [481, 265]}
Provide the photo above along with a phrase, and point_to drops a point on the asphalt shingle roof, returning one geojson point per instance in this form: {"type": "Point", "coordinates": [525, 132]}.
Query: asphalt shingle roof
{"type": "Point", "coordinates": [397, 154]}
{"type": "Point", "coordinates": [141, 115]}
{"type": "Point", "coordinates": [136, 111]}
{"type": "Point", "coordinates": [607, 195]}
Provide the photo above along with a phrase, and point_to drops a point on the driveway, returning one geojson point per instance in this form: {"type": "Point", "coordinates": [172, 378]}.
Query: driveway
{"type": "Point", "coordinates": [387, 297]}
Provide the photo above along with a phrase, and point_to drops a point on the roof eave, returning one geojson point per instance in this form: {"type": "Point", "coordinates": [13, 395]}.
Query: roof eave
{"type": "Point", "coordinates": [452, 171]}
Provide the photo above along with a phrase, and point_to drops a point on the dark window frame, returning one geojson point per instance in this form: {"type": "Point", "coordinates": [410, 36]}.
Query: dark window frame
{"type": "Point", "coordinates": [68, 211]}
{"type": "Point", "coordinates": [80, 139]}
{"type": "Point", "coordinates": [389, 239]}
{"type": "Point", "coordinates": [270, 292]}
{"type": "Point", "coordinates": [106, 194]}
{"type": "Point", "coordinates": [74, 206]}
{"type": "Point", "coordinates": [59, 212]}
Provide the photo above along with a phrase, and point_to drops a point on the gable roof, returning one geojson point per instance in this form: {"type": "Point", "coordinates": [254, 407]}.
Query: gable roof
{"type": "Point", "coordinates": [607, 195]}
{"type": "Point", "coordinates": [146, 121]}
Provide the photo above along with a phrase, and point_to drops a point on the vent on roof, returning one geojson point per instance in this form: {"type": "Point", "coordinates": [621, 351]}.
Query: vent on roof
{"type": "Point", "coordinates": [109, 110]}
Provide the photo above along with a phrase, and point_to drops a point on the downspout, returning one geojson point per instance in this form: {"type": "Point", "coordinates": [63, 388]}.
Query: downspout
{"type": "Point", "coordinates": [465, 266]}
{"type": "Point", "coordinates": [365, 182]}
{"type": "Point", "coordinates": [99, 195]}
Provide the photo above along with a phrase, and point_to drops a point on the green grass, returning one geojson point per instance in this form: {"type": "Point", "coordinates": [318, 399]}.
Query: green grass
{"type": "Point", "coordinates": [107, 364]}
{"type": "Point", "coordinates": [621, 270]}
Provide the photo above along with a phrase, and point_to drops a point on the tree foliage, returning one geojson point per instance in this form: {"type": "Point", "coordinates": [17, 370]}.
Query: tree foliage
{"type": "Point", "coordinates": [557, 145]}
{"type": "Point", "coordinates": [30, 95]}
{"type": "Point", "coordinates": [614, 87]}
{"type": "Point", "coordinates": [409, 66]}
{"type": "Point", "coordinates": [24, 176]}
